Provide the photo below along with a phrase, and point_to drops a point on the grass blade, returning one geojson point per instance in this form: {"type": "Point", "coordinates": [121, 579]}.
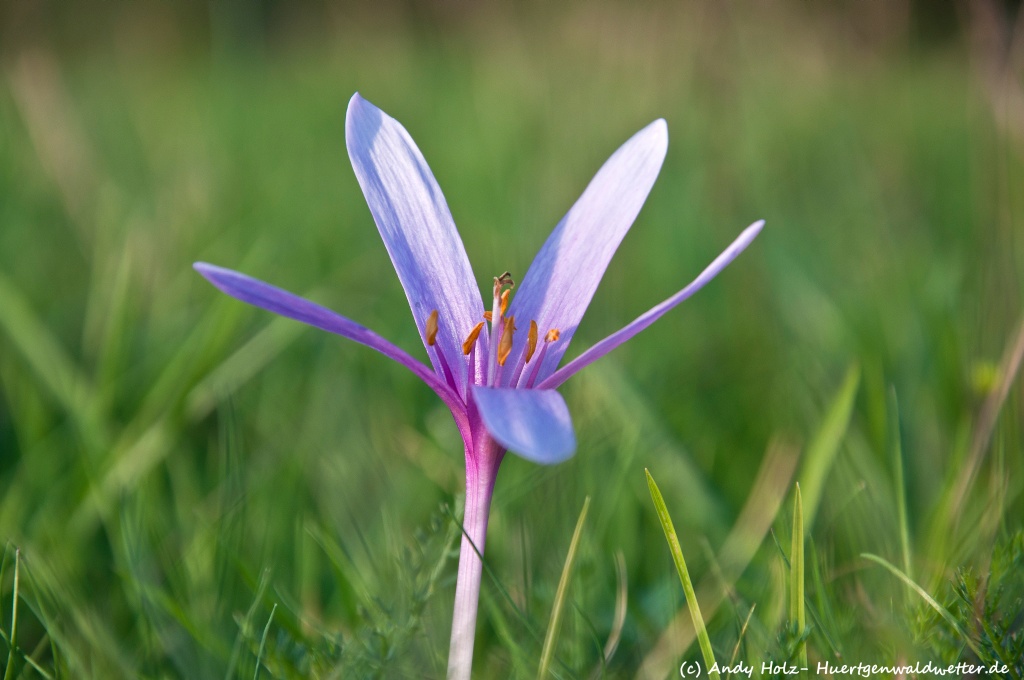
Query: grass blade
{"type": "Point", "coordinates": [942, 611]}
{"type": "Point", "coordinates": [263, 643]}
{"type": "Point", "coordinates": [241, 366]}
{"type": "Point", "coordinates": [741, 636]}
{"type": "Point", "coordinates": [563, 587]}
{"type": "Point", "coordinates": [243, 629]}
{"type": "Point", "coordinates": [621, 598]}
{"type": "Point", "coordinates": [962, 478]}
{"type": "Point", "coordinates": [684, 574]}
{"type": "Point", "coordinates": [896, 448]}
{"type": "Point", "coordinates": [797, 612]}
{"type": "Point", "coordinates": [823, 448]}
{"type": "Point", "coordinates": [619, 621]}
{"type": "Point", "coordinates": [744, 539]}
{"type": "Point", "coordinates": [8, 674]}
{"type": "Point", "coordinates": [822, 616]}
{"type": "Point", "coordinates": [505, 595]}
{"type": "Point", "coordinates": [50, 362]}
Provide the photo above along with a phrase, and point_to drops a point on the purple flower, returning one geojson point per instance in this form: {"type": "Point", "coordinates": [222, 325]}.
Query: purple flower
{"type": "Point", "coordinates": [496, 371]}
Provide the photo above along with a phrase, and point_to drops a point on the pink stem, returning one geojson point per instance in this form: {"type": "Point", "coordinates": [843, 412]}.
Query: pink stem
{"type": "Point", "coordinates": [481, 470]}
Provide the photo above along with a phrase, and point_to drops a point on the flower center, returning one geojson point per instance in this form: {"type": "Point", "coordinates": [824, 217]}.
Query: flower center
{"type": "Point", "coordinates": [501, 334]}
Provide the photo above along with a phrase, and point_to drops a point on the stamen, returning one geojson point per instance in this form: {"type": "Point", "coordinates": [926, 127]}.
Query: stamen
{"type": "Point", "coordinates": [549, 337]}
{"type": "Point", "coordinates": [488, 316]}
{"type": "Point", "coordinates": [505, 344]}
{"type": "Point", "coordinates": [432, 328]}
{"type": "Point", "coordinates": [471, 338]}
{"type": "Point", "coordinates": [504, 301]}
{"type": "Point", "coordinates": [531, 341]}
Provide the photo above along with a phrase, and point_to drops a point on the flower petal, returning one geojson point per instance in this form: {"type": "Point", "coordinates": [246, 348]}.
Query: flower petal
{"type": "Point", "coordinates": [561, 281]}
{"type": "Point", "coordinates": [416, 225]}
{"type": "Point", "coordinates": [273, 299]}
{"type": "Point", "coordinates": [655, 313]}
{"type": "Point", "coordinates": [534, 424]}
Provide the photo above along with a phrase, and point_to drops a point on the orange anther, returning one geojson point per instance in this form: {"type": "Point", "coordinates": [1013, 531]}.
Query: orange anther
{"type": "Point", "coordinates": [467, 346]}
{"type": "Point", "coordinates": [432, 328]}
{"type": "Point", "coordinates": [505, 346]}
{"type": "Point", "coordinates": [504, 301]}
{"type": "Point", "coordinates": [552, 335]}
{"type": "Point", "coordinates": [531, 341]}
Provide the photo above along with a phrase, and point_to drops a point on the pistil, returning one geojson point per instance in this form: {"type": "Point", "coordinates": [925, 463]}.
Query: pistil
{"type": "Point", "coordinates": [497, 319]}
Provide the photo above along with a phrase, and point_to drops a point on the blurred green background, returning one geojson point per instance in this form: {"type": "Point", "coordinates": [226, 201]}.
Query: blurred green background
{"type": "Point", "coordinates": [174, 464]}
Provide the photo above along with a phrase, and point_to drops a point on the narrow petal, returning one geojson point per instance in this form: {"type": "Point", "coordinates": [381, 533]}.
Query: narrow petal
{"type": "Point", "coordinates": [561, 281]}
{"type": "Point", "coordinates": [652, 315]}
{"type": "Point", "coordinates": [534, 424]}
{"type": "Point", "coordinates": [273, 299]}
{"type": "Point", "coordinates": [416, 225]}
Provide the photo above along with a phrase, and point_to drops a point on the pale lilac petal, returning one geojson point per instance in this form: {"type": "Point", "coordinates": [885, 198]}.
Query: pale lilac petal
{"type": "Point", "coordinates": [646, 319]}
{"type": "Point", "coordinates": [416, 225]}
{"type": "Point", "coordinates": [273, 299]}
{"type": "Point", "coordinates": [534, 424]}
{"type": "Point", "coordinates": [563, 277]}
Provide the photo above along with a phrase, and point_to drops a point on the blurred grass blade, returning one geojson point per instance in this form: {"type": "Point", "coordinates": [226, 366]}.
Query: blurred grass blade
{"type": "Point", "coordinates": [619, 621]}
{"type": "Point", "coordinates": [822, 616]}
{"type": "Point", "coordinates": [896, 449]}
{"type": "Point", "coordinates": [742, 635]}
{"type": "Point", "coordinates": [823, 448]}
{"type": "Point", "coordinates": [240, 367]}
{"type": "Point", "coordinates": [13, 644]}
{"type": "Point", "coordinates": [942, 611]}
{"type": "Point", "coordinates": [621, 601]}
{"type": "Point", "coordinates": [3, 568]}
{"type": "Point", "coordinates": [962, 479]}
{"type": "Point", "coordinates": [521, 660]}
{"type": "Point", "coordinates": [684, 574]}
{"type": "Point", "coordinates": [107, 328]}
{"type": "Point", "coordinates": [44, 642]}
{"type": "Point", "coordinates": [58, 136]}
{"type": "Point", "coordinates": [551, 638]}
{"type": "Point", "coordinates": [797, 613]}
{"type": "Point", "coordinates": [524, 620]}
{"type": "Point", "coordinates": [639, 425]}
{"type": "Point", "coordinates": [246, 623]}
{"type": "Point", "coordinates": [50, 362]}
{"type": "Point", "coordinates": [201, 348]}
{"type": "Point", "coordinates": [263, 643]}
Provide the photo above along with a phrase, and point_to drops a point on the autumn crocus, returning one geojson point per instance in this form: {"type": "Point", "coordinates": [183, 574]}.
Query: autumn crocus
{"type": "Point", "coordinates": [497, 370]}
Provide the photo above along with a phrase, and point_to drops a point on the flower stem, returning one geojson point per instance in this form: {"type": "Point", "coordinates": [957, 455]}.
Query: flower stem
{"type": "Point", "coordinates": [479, 488]}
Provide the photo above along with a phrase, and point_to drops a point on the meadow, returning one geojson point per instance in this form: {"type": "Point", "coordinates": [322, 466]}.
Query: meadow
{"type": "Point", "coordinates": [193, 488]}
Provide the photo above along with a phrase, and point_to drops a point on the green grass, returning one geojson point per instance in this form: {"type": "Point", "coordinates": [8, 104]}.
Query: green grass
{"type": "Point", "coordinates": [692, 604]}
{"type": "Point", "coordinates": [194, 489]}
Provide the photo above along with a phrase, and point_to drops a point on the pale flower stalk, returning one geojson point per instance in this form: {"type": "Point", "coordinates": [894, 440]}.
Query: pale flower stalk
{"type": "Point", "coordinates": [496, 370]}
